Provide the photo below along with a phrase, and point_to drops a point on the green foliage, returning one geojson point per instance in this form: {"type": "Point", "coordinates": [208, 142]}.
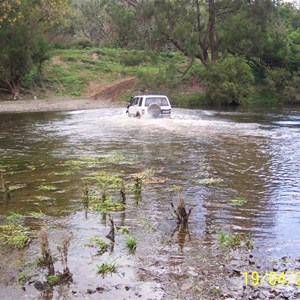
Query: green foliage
{"type": "Point", "coordinates": [229, 81]}
{"type": "Point", "coordinates": [131, 243]}
{"type": "Point", "coordinates": [294, 47]}
{"type": "Point", "coordinates": [123, 20]}
{"type": "Point", "coordinates": [107, 181]}
{"type": "Point", "coordinates": [188, 100]}
{"type": "Point", "coordinates": [92, 18]}
{"type": "Point", "coordinates": [105, 204]}
{"type": "Point", "coordinates": [133, 59]}
{"type": "Point", "coordinates": [19, 241]}
{"type": "Point", "coordinates": [95, 241]}
{"type": "Point", "coordinates": [291, 92]}
{"type": "Point", "coordinates": [107, 268]}
{"type": "Point", "coordinates": [285, 84]}
{"type": "Point", "coordinates": [123, 229]}
{"type": "Point", "coordinates": [237, 202]}
{"type": "Point", "coordinates": [14, 217]}
{"type": "Point", "coordinates": [22, 278]}
{"type": "Point", "coordinates": [211, 181]}
{"type": "Point", "coordinates": [24, 50]}
{"type": "Point", "coordinates": [53, 279]}
{"type": "Point", "coordinates": [235, 240]}
{"type": "Point", "coordinates": [14, 235]}
{"type": "Point", "coordinates": [138, 186]}
{"type": "Point", "coordinates": [277, 79]}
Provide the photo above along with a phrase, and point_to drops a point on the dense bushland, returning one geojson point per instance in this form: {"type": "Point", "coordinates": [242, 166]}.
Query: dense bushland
{"type": "Point", "coordinates": [221, 53]}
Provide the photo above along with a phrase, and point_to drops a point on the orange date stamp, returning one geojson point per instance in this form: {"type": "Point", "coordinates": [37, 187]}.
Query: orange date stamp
{"type": "Point", "coordinates": [272, 278]}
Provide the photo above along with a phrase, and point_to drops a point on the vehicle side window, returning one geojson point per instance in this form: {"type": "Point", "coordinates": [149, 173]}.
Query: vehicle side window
{"type": "Point", "coordinates": [135, 101]}
{"type": "Point", "coordinates": [141, 101]}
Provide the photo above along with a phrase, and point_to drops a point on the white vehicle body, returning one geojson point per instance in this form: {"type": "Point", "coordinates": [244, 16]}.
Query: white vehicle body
{"type": "Point", "coordinates": [152, 105]}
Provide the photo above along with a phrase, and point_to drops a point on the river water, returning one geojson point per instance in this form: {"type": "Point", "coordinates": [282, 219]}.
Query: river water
{"type": "Point", "coordinates": [207, 157]}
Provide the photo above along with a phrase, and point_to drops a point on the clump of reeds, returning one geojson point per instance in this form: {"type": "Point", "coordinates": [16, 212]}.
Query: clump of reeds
{"type": "Point", "coordinates": [63, 250]}
{"type": "Point", "coordinates": [5, 188]}
{"type": "Point", "coordinates": [180, 213]}
{"type": "Point", "coordinates": [111, 234]}
{"type": "Point", "coordinates": [47, 258]}
{"type": "Point", "coordinates": [138, 186]}
{"type": "Point", "coordinates": [122, 193]}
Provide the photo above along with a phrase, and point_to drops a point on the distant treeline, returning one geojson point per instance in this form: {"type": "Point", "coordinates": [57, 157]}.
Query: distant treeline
{"type": "Point", "coordinates": [241, 43]}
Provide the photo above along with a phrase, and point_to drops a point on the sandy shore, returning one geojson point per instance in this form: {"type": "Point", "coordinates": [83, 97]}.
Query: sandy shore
{"type": "Point", "coordinates": [55, 105]}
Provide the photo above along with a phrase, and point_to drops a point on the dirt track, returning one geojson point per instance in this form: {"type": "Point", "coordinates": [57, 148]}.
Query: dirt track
{"type": "Point", "coordinates": [102, 97]}
{"type": "Point", "coordinates": [55, 105]}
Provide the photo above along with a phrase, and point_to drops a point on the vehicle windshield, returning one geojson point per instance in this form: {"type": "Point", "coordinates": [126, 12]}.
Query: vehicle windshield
{"type": "Point", "coordinates": [162, 101]}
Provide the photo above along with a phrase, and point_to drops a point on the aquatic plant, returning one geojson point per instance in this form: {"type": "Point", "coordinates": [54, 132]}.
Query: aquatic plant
{"type": "Point", "coordinates": [111, 234]}
{"type": "Point", "coordinates": [12, 228]}
{"type": "Point", "coordinates": [115, 158]}
{"type": "Point", "coordinates": [95, 241]}
{"type": "Point", "coordinates": [14, 235]}
{"type": "Point", "coordinates": [206, 168]}
{"type": "Point", "coordinates": [211, 181]}
{"type": "Point", "coordinates": [5, 187]}
{"type": "Point", "coordinates": [107, 181]}
{"type": "Point", "coordinates": [105, 205]}
{"type": "Point", "coordinates": [53, 279]}
{"type": "Point", "coordinates": [47, 187]}
{"type": "Point", "coordinates": [180, 214]}
{"type": "Point", "coordinates": [137, 185]}
{"type": "Point", "coordinates": [14, 217]}
{"type": "Point", "coordinates": [18, 241]}
{"type": "Point", "coordinates": [63, 251]}
{"type": "Point", "coordinates": [74, 164]}
{"type": "Point", "coordinates": [122, 192]}
{"type": "Point", "coordinates": [22, 278]}
{"type": "Point", "coordinates": [123, 229]}
{"type": "Point", "coordinates": [238, 202]}
{"type": "Point", "coordinates": [107, 268]}
{"type": "Point", "coordinates": [149, 226]}
{"type": "Point", "coordinates": [131, 243]}
{"type": "Point", "coordinates": [46, 252]}
{"type": "Point", "coordinates": [37, 214]}
{"type": "Point", "coordinates": [235, 240]}
{"type": "Point", "coordinates": [47, 259]}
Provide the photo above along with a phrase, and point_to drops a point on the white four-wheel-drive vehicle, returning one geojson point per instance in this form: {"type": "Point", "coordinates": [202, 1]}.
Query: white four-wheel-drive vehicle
{"type": "Point", "coordinates": [152, 105]}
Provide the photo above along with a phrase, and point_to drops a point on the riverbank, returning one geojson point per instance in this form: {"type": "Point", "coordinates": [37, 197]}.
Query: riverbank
{"type": "Point", "coordinates": [55, 105]}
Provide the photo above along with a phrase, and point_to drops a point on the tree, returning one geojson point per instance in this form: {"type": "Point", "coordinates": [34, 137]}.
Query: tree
{"type": "Point", "coordinates": [189, 25]}
{"type": "Point", "coordinates": [24, 43]}
{"type": "Point", "coordinates": [253, 30]}
{"type": "Point", "coordinates": [92, 21]}
{"type": "Point", "coordinates": [9, 12]}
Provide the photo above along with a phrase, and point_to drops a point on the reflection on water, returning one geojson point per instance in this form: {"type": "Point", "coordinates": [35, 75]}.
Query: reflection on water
{"type": "Point", "coordinates": [256, 156]}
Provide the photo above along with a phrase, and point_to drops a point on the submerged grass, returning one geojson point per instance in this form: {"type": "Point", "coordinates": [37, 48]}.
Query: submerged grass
{"type": "Point", "coordinates": [107, 268]}
{"type": "Point", "coordinates": [131, 243]}
{"type": "Point", "coordinates": [99, 204]}
{"type": "Point", "coordinates": [18, 241]}
{"type": "Point", "coordinates": [235, 240]}
{"type": "Point", "coordinates": [238, 202]}
{"type": "Point", "coordinates": [14, 217]}
{"type": "Point", "coordinates": [211, 181]}
{"type": "Point", "coordinates": [98, 242]}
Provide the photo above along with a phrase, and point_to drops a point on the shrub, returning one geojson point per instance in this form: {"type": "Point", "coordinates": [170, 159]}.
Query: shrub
{"type": "Point", "coordinates": [229, 81]}
{"type": "Point", "coordinates": [291, 92]}
{"type": "Point", "coordinates": [277, 78]}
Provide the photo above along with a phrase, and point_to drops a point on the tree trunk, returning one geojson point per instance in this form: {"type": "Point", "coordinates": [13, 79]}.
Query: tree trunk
{"type": "Point", "coordinates": [212, 30]}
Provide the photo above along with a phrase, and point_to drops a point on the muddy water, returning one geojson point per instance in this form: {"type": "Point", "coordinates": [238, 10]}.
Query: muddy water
{"type": "Point", "coordinates": [46, 157]}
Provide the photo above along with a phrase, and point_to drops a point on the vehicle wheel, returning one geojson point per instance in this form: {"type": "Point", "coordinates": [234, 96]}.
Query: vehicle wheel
{"type": "Point", "coordinates": [154, 110]}
{"type": "Point", "coordinates": [138, 115]}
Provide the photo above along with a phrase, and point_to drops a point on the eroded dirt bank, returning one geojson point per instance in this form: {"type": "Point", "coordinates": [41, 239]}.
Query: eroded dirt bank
{"type": "Point", "coordinates": [55, 105]}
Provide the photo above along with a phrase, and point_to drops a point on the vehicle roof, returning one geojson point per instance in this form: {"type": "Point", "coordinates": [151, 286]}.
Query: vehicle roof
{"type": "Point", "coordinates": [151, 95]}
